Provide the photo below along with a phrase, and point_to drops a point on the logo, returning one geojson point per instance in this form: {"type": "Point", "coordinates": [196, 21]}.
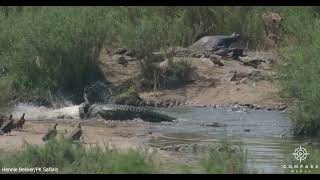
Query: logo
{"type": "Point", "coordinates": [300, 154]}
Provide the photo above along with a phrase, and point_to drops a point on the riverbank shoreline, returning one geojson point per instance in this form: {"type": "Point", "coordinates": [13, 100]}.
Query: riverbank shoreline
{"type": "Point", "coordinates": [120, 135]}
{"type": "Point", "coordinates": [233, 84]}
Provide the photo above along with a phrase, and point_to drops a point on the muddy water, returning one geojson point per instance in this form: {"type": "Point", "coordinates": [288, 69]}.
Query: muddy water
{"type": "Point", "coordinates": [265, 135]}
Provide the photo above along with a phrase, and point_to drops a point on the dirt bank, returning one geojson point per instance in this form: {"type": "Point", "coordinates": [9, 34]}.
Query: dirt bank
{"type": "Point", "coordinates": [122, 134]}
{"type": "Point", "coordinates": [212, 83]}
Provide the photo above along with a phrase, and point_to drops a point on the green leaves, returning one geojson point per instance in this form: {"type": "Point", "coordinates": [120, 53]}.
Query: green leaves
{"type": "Point", "coordinates": [62, 38]}
{"type": "Point", "coordinates": [75, 158]}
{"type": "Point", "coordinates": [299, 70]}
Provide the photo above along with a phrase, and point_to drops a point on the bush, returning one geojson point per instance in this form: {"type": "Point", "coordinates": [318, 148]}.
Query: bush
{"type": "Point", "coordinates": [226, 162]}
{"type": "Point", "coordinates": [299, 70]}
{"type": "Point", "coordinates": [75, 158]}
{"type": "Point", "coordinates": [180, 69]}
{"type": "Point", "coordinates": [175, 75]}
{"type": "Point", "coordinates": [55, 49]}
{"type": "Point", "coordinates": [128, 97]}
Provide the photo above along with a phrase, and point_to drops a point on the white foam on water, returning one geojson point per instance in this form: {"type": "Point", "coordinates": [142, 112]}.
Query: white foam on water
{"type": "Point", "coordinates": [42, 113]}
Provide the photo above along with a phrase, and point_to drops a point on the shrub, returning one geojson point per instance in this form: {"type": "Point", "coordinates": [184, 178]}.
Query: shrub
{"type": "Point", "coordinates": [55, 49]}
{"type": "Point", "coordinates": [75, 158]}
{"type": "Point", "coordinates": [226, 162]}
{"type": "Point", "coordinates": [299, 70]}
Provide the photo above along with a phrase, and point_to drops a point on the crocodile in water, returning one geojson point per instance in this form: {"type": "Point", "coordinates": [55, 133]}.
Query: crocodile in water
{"type": "Point", "coordinates": [122, 112]}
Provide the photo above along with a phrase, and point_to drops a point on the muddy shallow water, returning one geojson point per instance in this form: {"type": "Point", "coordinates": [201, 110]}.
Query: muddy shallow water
{"type": "Point", "coordinates": [265, 135]}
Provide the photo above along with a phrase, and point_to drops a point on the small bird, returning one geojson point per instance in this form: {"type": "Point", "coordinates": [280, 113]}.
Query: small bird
{"type": "Point", "coordinates": [51, 133]}
{"type": "Point", "coordinates": [7, 126]}
{"type": "Point", "coordinates": [76, 133]}
{"type": "Point", "coordinates": [19, 123]}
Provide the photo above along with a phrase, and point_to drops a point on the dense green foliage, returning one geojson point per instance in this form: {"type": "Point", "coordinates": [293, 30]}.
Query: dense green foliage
{"type": "Point", "coordinates": [299, 70]}
{"type": "Point", "coordinates": [53, 49]}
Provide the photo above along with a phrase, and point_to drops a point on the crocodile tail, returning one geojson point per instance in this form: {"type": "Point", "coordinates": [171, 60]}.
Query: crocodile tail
{"type": "Point", "coordinates": [169, 118]}
{"type": "Point", "coordinates": [158, 117]}
{"type": "Point", "coordinates": [165, 117]}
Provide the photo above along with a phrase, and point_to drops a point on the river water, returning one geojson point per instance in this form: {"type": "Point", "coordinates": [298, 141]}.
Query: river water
{"type": "Point", "coordinates": [265, 135]}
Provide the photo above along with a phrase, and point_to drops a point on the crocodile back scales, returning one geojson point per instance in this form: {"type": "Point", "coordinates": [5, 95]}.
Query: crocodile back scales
{"type": "Point", "coordinates": [125, 112]}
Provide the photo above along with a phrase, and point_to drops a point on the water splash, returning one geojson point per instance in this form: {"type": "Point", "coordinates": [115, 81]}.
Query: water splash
{"type": "Point", "coordinates": [37, 113]}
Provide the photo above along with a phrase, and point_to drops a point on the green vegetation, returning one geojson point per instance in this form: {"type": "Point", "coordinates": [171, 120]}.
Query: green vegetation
{"type": "Point", "coordinates": [173, 75]}
{"type": "Point", "coordinates": [55, 50]}
{"type": "Point", "coordinates": [129, 96]}
{"type": "Point", "coordinates": [226, 162]}
{"type": "Point", "coordinates": [51, 51]}
{"type": "Point", "coordinates": [75, 158]}
{"type": "Point", "coordinates": [71, 157]}
{"type": "Point", "coordinates": [299, 70]}
{"type": "Point", "coordinates": [130, 92]}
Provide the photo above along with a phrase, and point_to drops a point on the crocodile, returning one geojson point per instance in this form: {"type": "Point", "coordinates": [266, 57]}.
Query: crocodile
{"type": "Point", "coordinates": [98, 101]}
{"type": "Point", "coordinates": [122, 112]}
